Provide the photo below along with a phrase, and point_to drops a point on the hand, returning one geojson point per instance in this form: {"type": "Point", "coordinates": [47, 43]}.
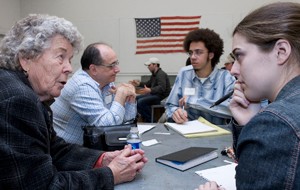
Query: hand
{"type": "Point", "coordinates": [210, 186]}
{"type": "Point", "coordinates": [145, 90]}
{"type": "Point", "coordinates": [182, 101]}
{"type": "Point", "coordinates": [180, 116]}
{"type": "Point", "coordinates": [113, 90]}
{"type": "Point", "coordinates": [131, 99]}
{"type": "Point", "coordinates": [127, 164]}
{"type": "Point", "coordinates": [242, 110]}
{"type": "Point", "coordinates": [123, 92]}
{"type": "Point", "coordinates": [135, 82]}
{"type": "Point", "coordinates": [109, 156]}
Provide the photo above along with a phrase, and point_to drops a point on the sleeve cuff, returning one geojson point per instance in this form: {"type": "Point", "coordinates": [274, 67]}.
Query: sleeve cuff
{"type": "Point", "coordinates": [98, 163]}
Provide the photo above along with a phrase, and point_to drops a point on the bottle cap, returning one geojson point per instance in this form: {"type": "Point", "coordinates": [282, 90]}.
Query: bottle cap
{"type": "Point", "coordinates": [134, 130]}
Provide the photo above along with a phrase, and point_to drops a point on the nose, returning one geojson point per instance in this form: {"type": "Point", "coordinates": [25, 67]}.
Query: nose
{"type": "Point", "coordinates": [235, 69]}
{"type": "Point", "coordinates": [68, 68]}
{"type": "Point", "coordinates": [116, 69]}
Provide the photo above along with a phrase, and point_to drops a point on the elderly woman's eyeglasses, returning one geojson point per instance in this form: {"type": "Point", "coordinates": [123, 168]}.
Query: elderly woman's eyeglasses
{"type": "Point", "coordinates": [111, 66]}
{"type": "Point", "coordinates": [196, 52]}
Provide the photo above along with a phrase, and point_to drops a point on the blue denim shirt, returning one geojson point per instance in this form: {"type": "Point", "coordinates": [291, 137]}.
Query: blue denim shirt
{"type": "Point", "coordinates": [268, 147]}
{"type": "Point", "coordinates": [217, 84]}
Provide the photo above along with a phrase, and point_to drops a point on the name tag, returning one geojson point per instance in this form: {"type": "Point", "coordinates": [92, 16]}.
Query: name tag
{"type": "Point", "coordinates": [108, 99]}
{"type": "Point", "coordinates": [189, 91]}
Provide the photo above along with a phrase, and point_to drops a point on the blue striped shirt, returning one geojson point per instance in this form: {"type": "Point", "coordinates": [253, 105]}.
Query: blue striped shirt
{"type": "Point", "coordinates": [216, 85]}
{"type": "Point", "coordinates": [82, 102]}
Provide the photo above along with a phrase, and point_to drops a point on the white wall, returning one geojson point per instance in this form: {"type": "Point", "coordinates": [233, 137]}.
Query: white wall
{"type": "Point", "coordinates": [9, 13]}
{"type": "Point", "coordinates": [112, 21]}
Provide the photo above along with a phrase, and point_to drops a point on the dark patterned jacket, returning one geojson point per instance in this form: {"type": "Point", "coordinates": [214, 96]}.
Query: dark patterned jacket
{"type": "Point", "coordinates": [31, 155]}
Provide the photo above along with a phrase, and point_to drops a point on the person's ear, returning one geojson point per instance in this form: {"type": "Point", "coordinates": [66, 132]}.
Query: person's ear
{"type": "Point", "coordinates": [211, 55]}
{"type": "Point", "coordinates": [25, 63]}
{"type": "Point", "coordinates": [283, 50]}
{"type": "Point", "coordinates": [93, 69]}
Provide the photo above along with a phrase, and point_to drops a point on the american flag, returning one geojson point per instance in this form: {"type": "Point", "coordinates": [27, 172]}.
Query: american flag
{"type": "Point", "coordinates": [163, 34]}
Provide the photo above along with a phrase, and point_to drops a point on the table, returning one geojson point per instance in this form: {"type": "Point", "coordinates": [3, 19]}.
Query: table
{"type": "Point", "coordinates": [158, 176]}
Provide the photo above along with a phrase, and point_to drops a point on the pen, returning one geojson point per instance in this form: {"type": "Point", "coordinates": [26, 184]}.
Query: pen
{"type": "Point", "coordinates": [222, 99]}
{"type": "Point", "coordinates": [230, 153]}
{"type": "Point", "coordinates": [166, 127]}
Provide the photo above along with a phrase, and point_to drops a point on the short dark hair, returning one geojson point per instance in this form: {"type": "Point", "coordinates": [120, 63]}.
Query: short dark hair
{"type": "Point", "coordinates": [91, 55]}
{"type": "Point", "coordinates": [211, 40]}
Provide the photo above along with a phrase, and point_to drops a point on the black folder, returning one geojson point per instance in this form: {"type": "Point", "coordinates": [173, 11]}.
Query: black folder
{"type": "Point", "coordinates": [188, 158]}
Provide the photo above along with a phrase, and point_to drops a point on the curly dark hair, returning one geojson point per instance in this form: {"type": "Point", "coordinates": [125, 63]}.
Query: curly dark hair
{"type": "Point", "coordinates": [211, 40]}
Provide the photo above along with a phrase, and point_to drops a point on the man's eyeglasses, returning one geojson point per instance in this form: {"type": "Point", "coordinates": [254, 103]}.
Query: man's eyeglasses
{"type": "Point", "coordinates": [111, 66]}
{"type": "Point", "coordinates": [196, 52]}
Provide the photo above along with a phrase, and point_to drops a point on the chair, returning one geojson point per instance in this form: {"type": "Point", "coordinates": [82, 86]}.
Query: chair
{"type": "Point", "coordinates": [156, 112]}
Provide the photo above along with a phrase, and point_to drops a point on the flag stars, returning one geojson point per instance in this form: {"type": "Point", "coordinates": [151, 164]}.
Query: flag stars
{"type": "Point", "coordinates": [149, 27]}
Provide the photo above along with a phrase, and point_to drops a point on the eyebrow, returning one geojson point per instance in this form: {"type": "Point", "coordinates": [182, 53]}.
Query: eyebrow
{"type": "Point", "coordinates": [234, 50]}
{"type": "Point", "coordinates": [65, 50]}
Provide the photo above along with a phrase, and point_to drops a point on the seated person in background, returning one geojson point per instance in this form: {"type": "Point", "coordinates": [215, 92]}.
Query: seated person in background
{"type": "Point", "coordinates": [155, 90]}
{"type": "Point", "coordinates": [229, 62]}
{"type": "Point", "coordinates": [267, 65]}
{"type": "Point", "coordinates": [35, 61]}
{"type": "Point", "coordinates": [90, 96]}
{"type": "Point", "coordinates": [203, 82]}
{"type": "Point", "coordinates": [188, 61]}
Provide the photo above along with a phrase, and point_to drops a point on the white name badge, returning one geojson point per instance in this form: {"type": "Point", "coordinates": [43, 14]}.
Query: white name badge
{"type": "Point", "coordinates": [108, 99]}
{"type": "Point", "coordinates": [189, 91]}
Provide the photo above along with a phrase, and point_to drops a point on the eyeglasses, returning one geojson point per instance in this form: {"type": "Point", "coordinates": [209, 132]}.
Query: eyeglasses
{"type": "Point", "coordinates": [196, 52]}
{"type": "Point", "coordinates": [111, 66]}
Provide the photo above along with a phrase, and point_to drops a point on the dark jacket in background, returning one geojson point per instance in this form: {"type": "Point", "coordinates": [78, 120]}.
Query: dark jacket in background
{"type": "Point", "coordinates": [159, 83]}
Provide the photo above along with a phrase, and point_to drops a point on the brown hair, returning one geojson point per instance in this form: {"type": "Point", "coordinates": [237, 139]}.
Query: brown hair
{"type": "Point", "coordinates": [265, 25]}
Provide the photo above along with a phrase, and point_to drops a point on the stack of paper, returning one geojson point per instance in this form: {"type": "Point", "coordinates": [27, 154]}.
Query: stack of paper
{"type": "Point", "coordinates": [144, 128]}
{"type": "Point", "coordinates": [219, 130]}
{"type": "Point", "coordinates": [190, 127]}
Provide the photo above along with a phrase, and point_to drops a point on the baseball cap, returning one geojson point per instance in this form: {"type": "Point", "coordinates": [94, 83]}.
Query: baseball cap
{"type": "Point", "coordinates": [153, 60]}
{"type": "Point", "coordinates": [229, 59]}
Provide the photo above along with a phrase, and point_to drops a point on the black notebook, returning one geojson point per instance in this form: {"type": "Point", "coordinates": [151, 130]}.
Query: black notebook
{"type": "Point", "coordinates": [188, 158]}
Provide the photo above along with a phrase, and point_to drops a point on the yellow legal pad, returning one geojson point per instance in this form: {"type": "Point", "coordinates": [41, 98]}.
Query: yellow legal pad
{"type": "Point", "coordinates": [220, 131]}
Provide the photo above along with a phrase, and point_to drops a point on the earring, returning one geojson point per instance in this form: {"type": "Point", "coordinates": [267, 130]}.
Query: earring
{"type": "Point", "coordinates": [25, 73]}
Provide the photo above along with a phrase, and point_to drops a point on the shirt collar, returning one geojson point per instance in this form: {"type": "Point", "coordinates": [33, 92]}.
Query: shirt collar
{"type": "Point", "coordinates": [212, 76]}
{"type": "Point", "coordinates": [109, 85]}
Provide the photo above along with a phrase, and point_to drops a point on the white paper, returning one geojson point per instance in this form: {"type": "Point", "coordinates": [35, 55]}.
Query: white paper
{"type": "Point", "coordinates": [150, 142]}
{"type": "Point", "coordinates": [143, 128]}
{"type": "Point", "coordinates": [190, 127]}
{"type": "Point", "coordinates": [223, 175]}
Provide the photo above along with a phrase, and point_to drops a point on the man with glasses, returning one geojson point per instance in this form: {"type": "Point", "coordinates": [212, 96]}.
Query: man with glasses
{"type": "Point", "coordinates": [90, 96]}
{"type": "Point", "coordinates": [154, 90]}
{"type": "Point", "coordinates": [200, 83]}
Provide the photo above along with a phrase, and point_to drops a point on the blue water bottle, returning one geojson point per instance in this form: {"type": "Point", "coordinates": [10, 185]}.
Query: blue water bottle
{"type": "Point", "coordinates": [134, 138]}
